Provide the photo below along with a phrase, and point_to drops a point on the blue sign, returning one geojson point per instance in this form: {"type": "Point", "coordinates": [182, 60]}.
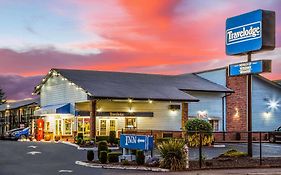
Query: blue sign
{"type": "Point", "coordinates": [244, 33]}
{"type": "Point", "coordinates": [136, 142]}
{"type": "Point", "coordinates": [254, 67]}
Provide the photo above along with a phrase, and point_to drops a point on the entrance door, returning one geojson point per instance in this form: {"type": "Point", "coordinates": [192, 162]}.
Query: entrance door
{"type": "Point", "coordinates": [103, 127]}
{"type": "Point", "coordinates": [107, 125]}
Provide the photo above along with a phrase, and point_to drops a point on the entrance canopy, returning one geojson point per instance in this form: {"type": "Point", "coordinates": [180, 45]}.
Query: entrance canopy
{"type": "Point", "coordinates": [54, 109]}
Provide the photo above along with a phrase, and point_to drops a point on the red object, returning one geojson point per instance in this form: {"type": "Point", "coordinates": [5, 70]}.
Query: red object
{"type": "Point", "coordinates": [40, 129]}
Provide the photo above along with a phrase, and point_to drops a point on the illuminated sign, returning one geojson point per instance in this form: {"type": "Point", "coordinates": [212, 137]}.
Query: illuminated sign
{"type": "Point", "coordinates": [136, 142]}
{"type": "Point", "coordinates": [250, 32]}
{"type": "Point", "coordinates": [254, 67]}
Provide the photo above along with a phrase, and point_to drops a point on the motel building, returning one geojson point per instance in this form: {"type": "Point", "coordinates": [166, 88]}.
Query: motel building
{"type": "Point", "coordinates": [96, 102]}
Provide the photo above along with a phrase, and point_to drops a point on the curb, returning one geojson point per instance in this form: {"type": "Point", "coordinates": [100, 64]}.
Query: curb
{"type": "Point", "coordinates": [119, 167]}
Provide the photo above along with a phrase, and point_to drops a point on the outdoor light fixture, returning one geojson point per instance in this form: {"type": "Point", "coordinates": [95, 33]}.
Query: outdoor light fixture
{"type": "Point", "coordinates": [267, 114]}
{"type": "Point", "coordinates": [150, 101]}
{"type": "Point", "coordinates": [130, 110]}
{"type": "Point", "coordinates": [236, 115]}
{"type": "Point", "coordinates": [130, 100]}
{"type": "Point", "coordinates": [8, 106]}
{"type": "Point", "coordinates": [273, 104]}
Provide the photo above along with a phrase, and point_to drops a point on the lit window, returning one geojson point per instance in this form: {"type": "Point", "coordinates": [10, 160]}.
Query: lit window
{"type": "Point", "coordinates": [130, 123]}
{"type": "Point", "coordinates": [67, 126]}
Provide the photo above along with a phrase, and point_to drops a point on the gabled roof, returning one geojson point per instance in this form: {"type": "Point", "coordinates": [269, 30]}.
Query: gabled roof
{"type": "Point", "coordinates": [121, 85]}
{"type": "Point", "coordinates": [19, 104]}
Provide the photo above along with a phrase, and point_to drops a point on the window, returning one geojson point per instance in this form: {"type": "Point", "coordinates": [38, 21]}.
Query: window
{"type": "Point", "coordinates": [67, 126]}
{"type": "Point", "coordinates": [215, 124]}
{"type": "Point", "coordinates": [130, 123]}
{"type": "Point", "coordinates": [112, 125]}
{"type": "Point", "coordinates": [47, 127]}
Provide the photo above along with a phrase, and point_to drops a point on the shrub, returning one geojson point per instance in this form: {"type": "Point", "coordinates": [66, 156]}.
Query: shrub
{"type": "Point", "coordinates": [140, 157]}
{"type": "Point", "coordinates": [112, 137]}
{"type": "Point", "coordinates": [125, 162]}
{"type": "Point", "coordinates": [194, 127]}
{"type": "Point", "coordinates": [103, 157]}
{"type": "Point", "coordinates": [57, 138]}
{"type": "Point", "coordinates": [233, 153]}
{"type": "Point", "coordinates": [102, 146]}
{"type": "Point", "coordinates": [173, 154]}
{"type": "Point", "coordinates": [47, 137]}
{"type": "Point", "coordinates": [80, 135]}
{"type": "Point", "coordinates": [113, 157]}
{"type": "Point", "coordinates": [102, 138]}
{"type": "Point", "coordinates": [90, 155]}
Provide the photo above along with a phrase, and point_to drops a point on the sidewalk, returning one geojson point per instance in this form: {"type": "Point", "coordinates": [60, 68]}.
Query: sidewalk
{"type": "Point", "coordinates": [262, 171]}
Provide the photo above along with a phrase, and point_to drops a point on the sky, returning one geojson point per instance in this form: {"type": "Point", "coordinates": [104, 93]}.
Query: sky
{"type": "Point", "coordinates": [155, 36]}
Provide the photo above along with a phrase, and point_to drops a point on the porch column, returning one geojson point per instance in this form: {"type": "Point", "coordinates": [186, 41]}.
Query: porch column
{"type": "Point", "coordinates": [184, 114]}
{"type": "Point", "coordinates": [93, 119]}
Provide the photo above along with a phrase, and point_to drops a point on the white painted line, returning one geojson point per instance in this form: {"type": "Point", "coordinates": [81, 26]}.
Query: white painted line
{"type": "Point", "coordinates": [65, 171]}
{"type": "Point", "coordinates": [219, 146]}
{"type": "Point", "coordinates": [33, 152]}
{"type": "Point", "coordinates": [32, 146]}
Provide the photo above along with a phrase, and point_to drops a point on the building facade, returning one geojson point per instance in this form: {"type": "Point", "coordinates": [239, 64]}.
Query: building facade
{"type": "Point", "coordinates": [95, 103]}
{"type": "Point", "coordinates": [18, 114]}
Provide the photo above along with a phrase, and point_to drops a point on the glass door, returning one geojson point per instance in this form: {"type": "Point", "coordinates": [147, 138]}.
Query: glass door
{"type": "Point", "coordinates": [103, 127]}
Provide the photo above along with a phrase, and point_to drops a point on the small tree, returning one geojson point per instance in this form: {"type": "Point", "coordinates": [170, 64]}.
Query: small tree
{"type": "Point", "coordinates": [194, 128]}
{"type": "Point", "coordinates": [2, 97]}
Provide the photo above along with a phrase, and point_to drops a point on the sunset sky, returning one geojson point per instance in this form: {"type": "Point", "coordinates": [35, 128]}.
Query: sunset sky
{"type": "Point", "coordinates": [151, 36]}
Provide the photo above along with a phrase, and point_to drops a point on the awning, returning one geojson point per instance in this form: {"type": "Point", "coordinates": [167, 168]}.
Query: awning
{"type": "Point", "coordinates": [53, 109]}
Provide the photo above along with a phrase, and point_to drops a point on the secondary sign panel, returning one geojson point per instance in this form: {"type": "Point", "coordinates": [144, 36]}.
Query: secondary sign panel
{"type": "Point", "coordinates": [253, 67]}
{"type": "Point", "coordinates": [136, 142]}
{"type": "Point", "coordinates": [250, 32]}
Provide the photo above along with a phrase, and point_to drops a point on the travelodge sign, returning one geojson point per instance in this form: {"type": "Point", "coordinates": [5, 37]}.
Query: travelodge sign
{"type": "Point", "coordinates": [136, 142]}
{"type": "Point", "coordinates": [250, 32]}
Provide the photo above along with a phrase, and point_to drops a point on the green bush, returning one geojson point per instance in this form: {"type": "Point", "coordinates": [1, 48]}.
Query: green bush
{"type": "Point", "coordinates": [140, 157]}
{"type": "Point", "coordinates": [117, 141]}
{"type": "Point", "coordinates": [103, 157]}
{"type": "Point", "coordinates": [173, 154]}
{"type": "Point", "coordinates": [113, 156]}
{"type": "Point", "coordinates": [233, 153]}
{"type": "Point", "coordinates": [90, 155]}
{"type": "Point", "coordinates": [80, 135]}
{"type": "Point", "coordinates": [112, 137]}
{"type": "Point", "coordinates": [102, 146]}
{"type": "Point", "coordinates": [102, 138]}
{"type": "Point", "coordinates": [194, 127]}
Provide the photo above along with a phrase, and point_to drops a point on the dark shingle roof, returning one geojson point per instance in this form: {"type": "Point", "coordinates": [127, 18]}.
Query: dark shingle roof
{"type": "Point", "coordinates": [102, 84]}
{"type": "Point", "coordinates": [19, 104]}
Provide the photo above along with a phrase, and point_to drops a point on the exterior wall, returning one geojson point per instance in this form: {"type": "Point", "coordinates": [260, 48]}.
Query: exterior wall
{"type": "Point", "coordinates": [211, 103]}
{"type": "Point", "coordinates": [216, 76]}
{"type": "Point", "coordinates": [264, 117]}
{"type": "Point", "coordinates": [163, 119]}
{"type": "Point", "coordinates": [237, 104]}
{"type": "Point", "coordinates": [58, 91]}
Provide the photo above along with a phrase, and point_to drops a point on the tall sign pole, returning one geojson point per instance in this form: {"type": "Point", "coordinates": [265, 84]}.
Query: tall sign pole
{"type": "Point", "coordinates": [249, 93]}
{"type": "Point", "coordinates": [245, 34]}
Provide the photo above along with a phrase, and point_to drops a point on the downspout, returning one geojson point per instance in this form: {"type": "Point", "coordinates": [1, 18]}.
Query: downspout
{"type": "Point", "coordinates": [223, 114]}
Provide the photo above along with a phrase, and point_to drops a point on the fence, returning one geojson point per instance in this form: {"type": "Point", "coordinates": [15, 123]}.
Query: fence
{"type": "Point", "coordinates": [226, 149]}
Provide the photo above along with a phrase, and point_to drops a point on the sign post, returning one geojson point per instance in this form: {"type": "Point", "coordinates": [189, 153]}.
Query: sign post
{"type": "Point", "coordinates": [246, 34]}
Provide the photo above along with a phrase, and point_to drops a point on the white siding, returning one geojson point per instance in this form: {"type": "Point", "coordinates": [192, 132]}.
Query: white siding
{"type": "Point", "coordinates": [58, 91]}
{"type": "Point", "coordinates": [209, 102]}
{"type": "Point", "coordinates": [163, 118]}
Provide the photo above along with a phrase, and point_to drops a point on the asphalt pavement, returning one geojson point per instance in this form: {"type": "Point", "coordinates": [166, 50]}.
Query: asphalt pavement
{"type": "Point", "coordinates": [37, 158]}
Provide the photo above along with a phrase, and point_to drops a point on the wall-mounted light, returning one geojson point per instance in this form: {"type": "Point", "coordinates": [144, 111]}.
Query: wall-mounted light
{"type": "Point", "coordinates": [273, 104]}
{"type": "Point", "coordinates": [236, 115]}
{"type": "Point", "coordinates": [130, 110]}
{"type": "Point", "coordinates": [267, 114]}
{"type": "Point", "coordinates": [130, 100]}
{"type": "Point", "coordinates": [150, 101]}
